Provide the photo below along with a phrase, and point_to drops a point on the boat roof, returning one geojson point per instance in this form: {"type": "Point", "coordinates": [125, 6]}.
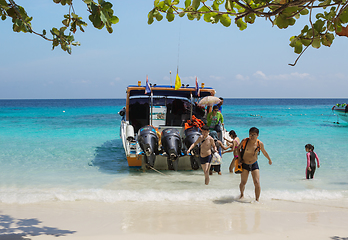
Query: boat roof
{"type": "Point", "coordinates": [167, 90]}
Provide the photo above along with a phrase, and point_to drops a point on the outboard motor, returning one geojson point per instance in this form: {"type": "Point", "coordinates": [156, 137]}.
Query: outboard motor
{"type": "Point", "coordinates": [191, 136]}
{"type": "Point", "coordinates": [122, 113]}
{"type": "Point", "coordinates": [171, 143]}
{"type": "Point", "coordinates": [148, 141]}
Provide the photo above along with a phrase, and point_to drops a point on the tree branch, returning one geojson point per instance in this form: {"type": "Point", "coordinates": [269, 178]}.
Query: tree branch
{"type": "Point", "coordinates": [310, 20]}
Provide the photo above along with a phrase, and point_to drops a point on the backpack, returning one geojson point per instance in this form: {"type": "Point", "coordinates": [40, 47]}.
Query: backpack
{"type": "Point", "coordinates": [238, 168]}
{"type": "Point", "coordinates": [245, 142]}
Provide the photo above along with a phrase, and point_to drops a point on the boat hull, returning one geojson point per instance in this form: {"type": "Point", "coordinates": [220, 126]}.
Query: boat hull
{"type": "Point", "coordinates": [342, 112]}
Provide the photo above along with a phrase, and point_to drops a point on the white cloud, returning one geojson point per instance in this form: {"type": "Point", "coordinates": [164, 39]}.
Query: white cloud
{"type": "Point", "coordinates": [260, 74]}
{"type": "Point", "coordinates": [85, 81]}
{"type": "Point", "coordinates": [286, 76]}
{"type": "Point", "coordinates": [339, 76]}
{"type": "Point", "coordinates": [241, 77]}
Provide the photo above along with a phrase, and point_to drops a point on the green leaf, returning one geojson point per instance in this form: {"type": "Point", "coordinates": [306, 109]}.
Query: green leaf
{"type": "Point", "coordinates": [225, 20]}
{"type": "Point", "coordinates": [87, 1]}
{"type": "Point", "coordinates": [305, 42]}
{"type": "Point", "coordinates": [11, 13]}
{"type": "Point", "coordinates": [241, 24]}
{"type": "Point", "coordinates": [298, 47]}
{"type": "Point", "coordinates": [344, 16]}
{"type": "Point", "coordinates": [104, 16]}
{"type": "Point", "coordinates": [208, 17]}
{"type": "Point", "coordinates": [150, 19]}
{"type": "Point", "coordinates": [109, 29]}
{"type": "Point", "coordinates": [324, 3]}
{"type": "Point", "coordinates": [215, 6]}
{"type": "Point", "coordinates": [95, 19]}
{"type": "Point", "coordinates": [316, 43]}
{"type": "Point", "coordinates": [181, 14]}
{"type": "Point", "coordinates": [229, 5]}
{"type": "Point", "coordinates": [170, 16]}
{"type": "Point", "coordinates": [318, 25]}
{"type": "Point", "coordinates": [107, 5]}
{"type": "Point", "coordinates": [304, 11]}
{"type": "Point", "coordinates": [187, 3]}
{"type": "Point", "coordinates": [204, 9]}
{"type": "Point", "coordinates": [327, 39]}
{"type": "Point", "coordinates": [114, 20]}
{"type": "Point", "coordinates": [190, 16]}
{"type": "Point", "coordinates": [159, 17]}
{"type": "Point", "coordinates": [281, 22]}
{"type": "Point", "coordinates": [161, 5]}
{"type": "Point", "coordinates": [66, 22]}
{"type": "Point", "coordinates": [250, 18]}
{"type": "Point", "coordinates": [195, 4]}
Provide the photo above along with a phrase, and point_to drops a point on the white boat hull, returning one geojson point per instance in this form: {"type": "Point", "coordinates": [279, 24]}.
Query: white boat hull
{"type": "Point", "coordinates": [341, 112]}
{"type": "Point", "coordinates": [136, 157]}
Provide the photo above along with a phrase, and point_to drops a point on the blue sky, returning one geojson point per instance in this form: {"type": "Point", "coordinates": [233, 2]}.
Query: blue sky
{"type": "Point", "coordinates": [239, 64]}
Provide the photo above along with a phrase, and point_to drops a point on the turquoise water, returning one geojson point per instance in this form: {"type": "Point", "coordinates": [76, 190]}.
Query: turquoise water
{"type": "Point", "coordinates": [70, 150]}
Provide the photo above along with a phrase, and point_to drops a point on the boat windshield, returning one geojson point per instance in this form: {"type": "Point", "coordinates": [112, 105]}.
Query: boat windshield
{"type": "Point", "coordinates": [176, 111]}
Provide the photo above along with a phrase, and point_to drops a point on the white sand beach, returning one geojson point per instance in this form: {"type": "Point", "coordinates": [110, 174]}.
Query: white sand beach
{"type": "Point", "coordinates": [224, 218]}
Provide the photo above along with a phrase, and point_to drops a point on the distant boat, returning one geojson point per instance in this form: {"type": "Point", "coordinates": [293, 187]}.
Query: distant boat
{"type": "Point", "coordinates": [341, 110]}
{"type": "Point", "coordinates": [153, 129]}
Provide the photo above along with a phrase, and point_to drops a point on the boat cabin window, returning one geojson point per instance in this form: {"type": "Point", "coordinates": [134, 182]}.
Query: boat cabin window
{"type": "Point", "coordinates": [176, 111]}
{"type": "Point", "coordinates": [139, 112]}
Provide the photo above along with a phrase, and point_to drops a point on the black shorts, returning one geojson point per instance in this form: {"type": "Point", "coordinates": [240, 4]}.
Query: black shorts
{"type": "Point", "coordinates": [250, 167]}
{"type": "Point", "coordinates": [206, 159]}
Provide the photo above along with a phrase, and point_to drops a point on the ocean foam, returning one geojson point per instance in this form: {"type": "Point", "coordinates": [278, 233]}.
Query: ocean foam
{"type": "Point", "coordinates": [26, 196]}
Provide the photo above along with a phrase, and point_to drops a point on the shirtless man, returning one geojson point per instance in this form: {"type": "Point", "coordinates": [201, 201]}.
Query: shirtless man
{"type": "Point", "coordinates": [207, 142]}
{"type": "Point", "coordinates": [249, 161]}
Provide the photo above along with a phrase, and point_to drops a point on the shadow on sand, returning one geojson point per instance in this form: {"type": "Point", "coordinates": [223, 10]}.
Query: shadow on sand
{"type": "Point", "coordinates": [22, 229]}
{"type": "Point", "coordinates": [232, 199]}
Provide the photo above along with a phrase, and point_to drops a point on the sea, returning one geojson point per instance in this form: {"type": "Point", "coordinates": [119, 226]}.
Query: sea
{"type": "Point", "coordinates": [70, 150]}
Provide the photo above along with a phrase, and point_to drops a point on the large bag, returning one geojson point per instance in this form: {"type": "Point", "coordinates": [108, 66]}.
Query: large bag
{"type": "Point", "coordinates": [237, 164]}
{"type": "Point", "coordinates": [238, 168]}
{"type": "Point", "coordinates": [216, 159]}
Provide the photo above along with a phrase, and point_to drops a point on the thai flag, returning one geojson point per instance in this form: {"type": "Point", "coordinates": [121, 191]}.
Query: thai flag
{"type": "Point", "coordinates": [197, 88]}
{"type": "Point", "coordinates": [147, 86]}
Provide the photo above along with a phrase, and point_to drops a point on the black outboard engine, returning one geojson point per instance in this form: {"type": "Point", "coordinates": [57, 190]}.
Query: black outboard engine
{"type": "Point", "coordinates": [148, 141]}
{"type": "Point", "coordinates": [171, 143]}
{"type": "Point", "coordinates": [191, 136]}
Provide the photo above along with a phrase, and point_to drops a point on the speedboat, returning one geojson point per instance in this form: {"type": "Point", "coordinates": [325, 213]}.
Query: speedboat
{"type": "Point", "coordinates": [341, 110]}
{"type": "Point", "coordinates": [158, 126]}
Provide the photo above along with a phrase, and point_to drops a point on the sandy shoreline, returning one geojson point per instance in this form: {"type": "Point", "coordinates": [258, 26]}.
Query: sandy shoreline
{"type": "Point", "coordinates": [224, 218]}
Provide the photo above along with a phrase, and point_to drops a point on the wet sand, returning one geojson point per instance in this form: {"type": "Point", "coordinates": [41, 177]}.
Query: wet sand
{"type": "Point", "coordinates": [223, 218]}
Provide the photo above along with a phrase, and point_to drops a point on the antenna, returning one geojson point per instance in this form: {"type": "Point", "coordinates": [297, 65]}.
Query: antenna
{"type": "Point", "coordinates": [177, 66]}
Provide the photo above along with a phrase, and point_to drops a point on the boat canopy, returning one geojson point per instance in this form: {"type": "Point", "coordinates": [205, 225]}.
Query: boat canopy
{"type": "Point", "coordinates": [166, 90]}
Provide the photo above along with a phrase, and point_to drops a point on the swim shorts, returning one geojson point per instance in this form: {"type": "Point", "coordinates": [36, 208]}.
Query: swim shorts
{"type": "Point", "coordinates": [205, 160]}
{"type": "Point", "coordinates": [250, 167]}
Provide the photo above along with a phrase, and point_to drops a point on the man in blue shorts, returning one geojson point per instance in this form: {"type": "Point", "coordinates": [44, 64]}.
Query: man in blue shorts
{"type": "Point", "coordinates": [207, 142]}
{"type": "Point", "coordinates": [251, 147]}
